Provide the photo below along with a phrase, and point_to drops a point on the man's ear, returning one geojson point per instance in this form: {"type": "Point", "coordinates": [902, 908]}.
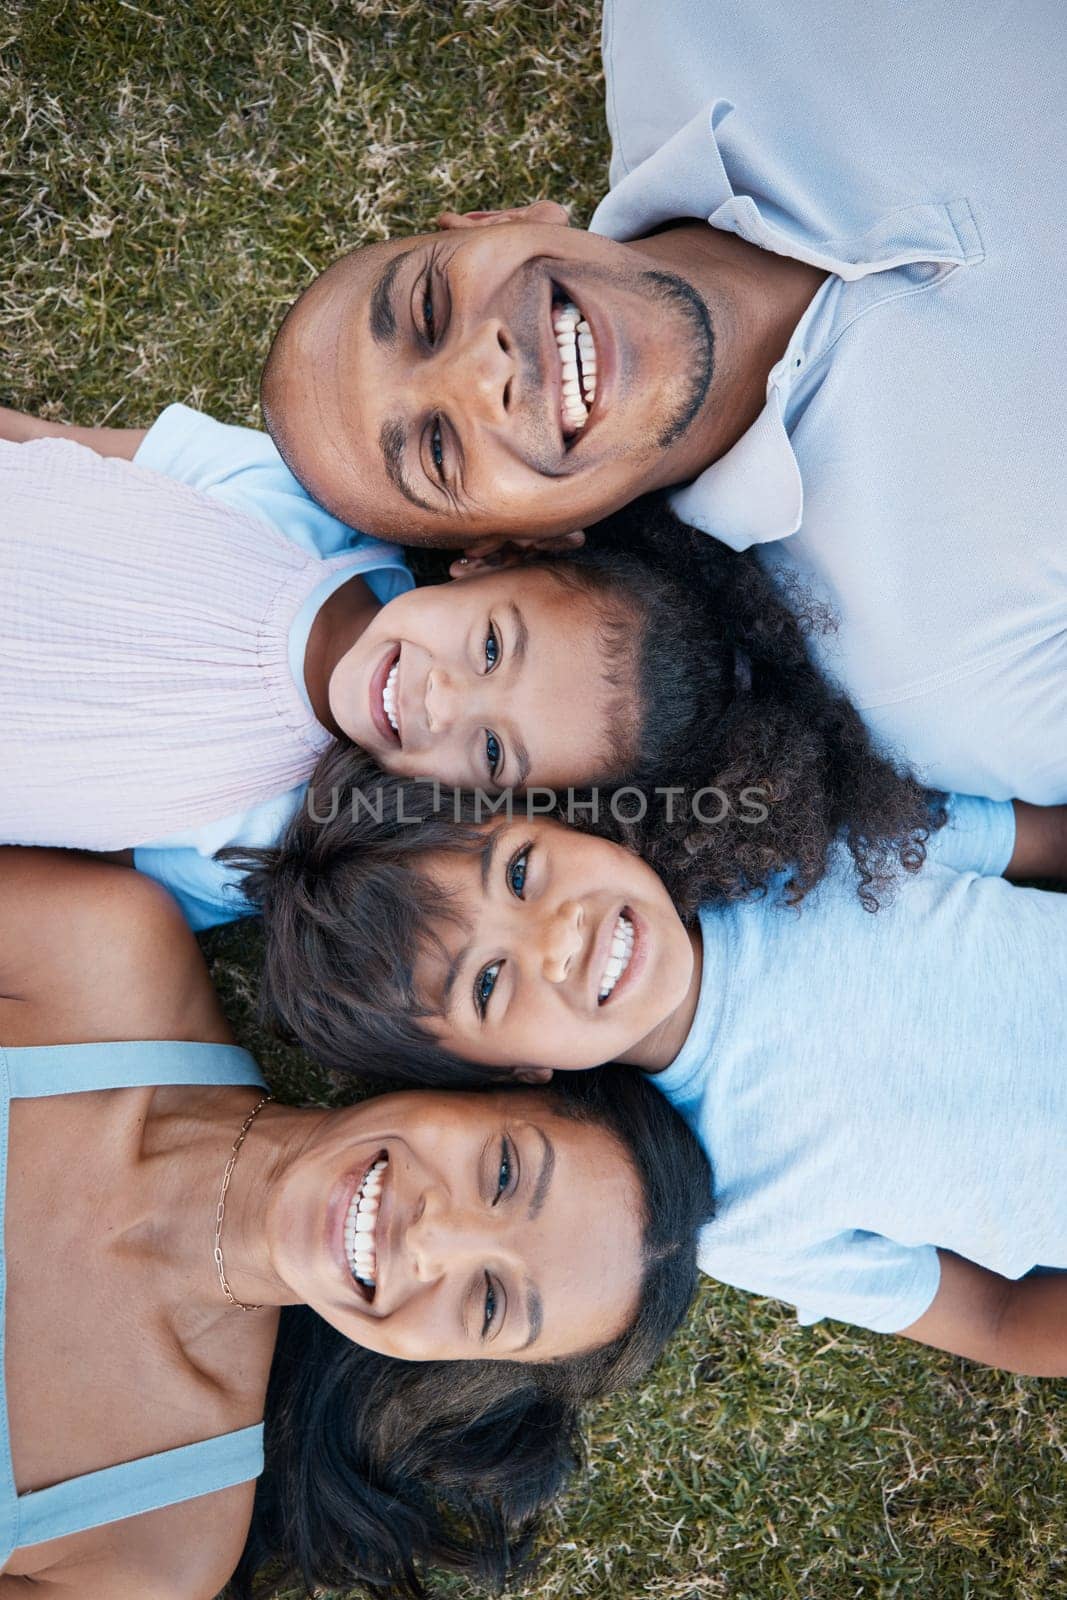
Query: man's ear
{"type": "Point", "coordinates": [492, 555]}
{"type": "Point", "coordinates": [532, 1074]}
{"type": "Point", "coordinates": [541, 211]}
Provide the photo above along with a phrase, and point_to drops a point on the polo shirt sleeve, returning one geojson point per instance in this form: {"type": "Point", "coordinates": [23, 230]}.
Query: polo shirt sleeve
{"type": "Point", "coordinates": [979, 836]}
{"type": "Point", "coordinates": [856, 1277]}
{"type": "Point", "coordinates": [206, 890]}
{"type": "Point", "coordinates": [242, 467]}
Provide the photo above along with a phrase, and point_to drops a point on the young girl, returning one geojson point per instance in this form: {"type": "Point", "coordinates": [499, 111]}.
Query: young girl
{"type": "Point", "coordinates": [883, 1099]}
{"type": "Point", "coordinates": [171, 668]}
{"type": "Point", "coordinates": [530, 1250]}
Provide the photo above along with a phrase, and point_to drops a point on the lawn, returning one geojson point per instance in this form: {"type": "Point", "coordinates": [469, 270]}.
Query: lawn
{"type": "Point", "coordinates": [171, 175]}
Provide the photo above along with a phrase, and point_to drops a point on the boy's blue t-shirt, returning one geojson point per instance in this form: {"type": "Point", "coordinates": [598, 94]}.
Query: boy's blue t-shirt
{"type": "Point", "coordinates": [873, 1088]}
{"type": "Point", "coordinates": [242, 467]}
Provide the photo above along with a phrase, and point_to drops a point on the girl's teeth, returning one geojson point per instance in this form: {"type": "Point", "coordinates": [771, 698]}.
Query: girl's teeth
{"type": "Point", "coordinates": [389, 696]}
{"type": "Point", "coordinates": [622, 946]}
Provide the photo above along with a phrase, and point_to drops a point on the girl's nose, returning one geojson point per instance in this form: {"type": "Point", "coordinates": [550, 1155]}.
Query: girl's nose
{"type": "Point", "coordinates": [562, 941]}
{"type": "Point", "coordinates": [441, 700]}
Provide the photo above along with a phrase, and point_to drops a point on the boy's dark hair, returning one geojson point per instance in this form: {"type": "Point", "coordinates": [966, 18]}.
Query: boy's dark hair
{"type": "Point", "coordinates": [378, 1470]}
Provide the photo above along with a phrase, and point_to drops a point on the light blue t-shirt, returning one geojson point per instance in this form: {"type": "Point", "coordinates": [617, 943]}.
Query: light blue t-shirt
{"type": "Point", "coordinates": [871, 1088]}
{"type": "Point", "coordinates": [908, 465]}
{"type": "Point", "coordinates": [241, 467]}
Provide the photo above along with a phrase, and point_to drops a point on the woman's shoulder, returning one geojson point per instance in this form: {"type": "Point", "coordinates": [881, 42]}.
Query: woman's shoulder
{"type": "Point", "coordinates": [91, 951]}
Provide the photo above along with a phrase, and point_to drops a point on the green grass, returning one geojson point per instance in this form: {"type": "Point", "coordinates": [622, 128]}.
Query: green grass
{"type": "Point", "coordinates": [171, 175]}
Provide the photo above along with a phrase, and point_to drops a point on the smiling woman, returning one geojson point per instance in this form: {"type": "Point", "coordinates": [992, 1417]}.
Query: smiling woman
{"type": "Point", "coordinates": [415, 1293]}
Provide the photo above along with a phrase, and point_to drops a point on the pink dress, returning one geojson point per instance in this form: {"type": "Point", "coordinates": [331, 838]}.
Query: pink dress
{"type": "Point", "coordinates": [145, 684]}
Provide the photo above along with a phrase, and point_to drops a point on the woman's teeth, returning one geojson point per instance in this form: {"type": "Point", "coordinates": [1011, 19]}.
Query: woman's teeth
{"type": "Point", "coordinates": [577, 357]}
{"type": "Point", "coordinates": [622, 948]}
{"type": "Point", "coordinates": [360, 1224]}
{"type": "Point", "coordinates": [389, 696]}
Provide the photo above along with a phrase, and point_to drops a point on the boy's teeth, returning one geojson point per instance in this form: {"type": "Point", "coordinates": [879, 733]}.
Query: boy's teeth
{"type": "Point", "coordinates": [389, 696]}
{"type": "Point", "coordinates": [577, 359]}
{"type": "Point", "coordinates": [622, 948]}
{"type": "Point", "coordinates": [360, 1224]}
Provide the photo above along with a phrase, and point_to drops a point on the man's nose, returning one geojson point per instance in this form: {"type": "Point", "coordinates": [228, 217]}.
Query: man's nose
{"type": "Point", "coordinates": [562, 939]}
{"type": "Point", "coordinates": [479, 371]}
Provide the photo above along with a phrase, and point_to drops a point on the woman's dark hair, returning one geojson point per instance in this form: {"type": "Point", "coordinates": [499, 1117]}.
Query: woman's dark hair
{"type": "Point", "coordinates": [378, 1471]}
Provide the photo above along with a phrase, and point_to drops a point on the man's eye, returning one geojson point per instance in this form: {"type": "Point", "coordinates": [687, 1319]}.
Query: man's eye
{"type": "Point", "coordinates": [428, 323]}
{"type": "Point", "coordinates": [490, 1305]}
{"type": "Point", "coordinates": [484, 985]}
{"type": "Point", "coordinates": [492, 650]}
{"type": "Point", "coordinates": [503, 1177]}
{"type": "Point", "coordinates": [437, 450]}
{"type": "Point", "coordinates": [517, 872]}
{"type": "Point", "coordinates": [493, 754]}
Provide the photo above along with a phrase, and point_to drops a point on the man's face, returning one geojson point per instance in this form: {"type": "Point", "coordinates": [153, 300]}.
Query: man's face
{"type": "Point", "coordinates": [440, 389]}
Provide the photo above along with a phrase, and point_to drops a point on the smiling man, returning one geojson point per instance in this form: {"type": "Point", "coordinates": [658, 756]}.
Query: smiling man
{"type": "Point", "coordinates": [821, 303]}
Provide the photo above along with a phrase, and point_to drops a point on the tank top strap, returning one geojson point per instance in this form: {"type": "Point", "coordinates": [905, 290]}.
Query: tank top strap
{"type": "Point", "coordinates": [37, 1071]}
{"type": "Point", "coordinates": [134, 1487]}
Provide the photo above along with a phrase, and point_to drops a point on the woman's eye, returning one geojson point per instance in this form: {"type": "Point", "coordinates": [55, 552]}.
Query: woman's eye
{"type": "Point", "coordinates": [428, 323]}
{"type": "Point", "coordinates": [517, 872]}
{"type": "Point", "coordinates": [492, 650]}
{"type": "Point", "coordinates": [490, 1305]}
{"type": "Point", "coordinates": [484, 986]}
{"type": "Point", "coordinates": [493, 754]}
{"type": "Point", "coordinates": [503, 1177]}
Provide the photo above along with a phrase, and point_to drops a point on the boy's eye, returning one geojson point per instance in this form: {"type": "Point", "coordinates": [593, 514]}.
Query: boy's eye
{"type": "Point", "coordinates": [503, 1177]}
{"type": "Point", "coordinates": [492, 650]}
{"type": "Point", "coordinates": [493, 754]}
{"type": "Point", "coordinates": [517, 872]}
{"type": "Point", "coordinates": [484, 985]}
{"type": "Point", "coordinates": [490, 1305]}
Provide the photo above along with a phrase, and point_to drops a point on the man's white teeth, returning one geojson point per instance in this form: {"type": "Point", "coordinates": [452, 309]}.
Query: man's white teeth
{"type": "Point", "coordinates": [389, 695]}
{"type": "Point", "coordinates": [577, 358]}
{"type": "Point", "coordinates": [360, 1224]}
{"type": "Point", "coordinates": [622, 948]}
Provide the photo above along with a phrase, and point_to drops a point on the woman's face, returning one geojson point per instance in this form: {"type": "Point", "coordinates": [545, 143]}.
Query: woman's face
{"type": "Point", "coordinates": [500, 1229]}
{"type": "Point", "coordinates": [497, 681]}
{"type": "Point", "coordinates": [564, 951]}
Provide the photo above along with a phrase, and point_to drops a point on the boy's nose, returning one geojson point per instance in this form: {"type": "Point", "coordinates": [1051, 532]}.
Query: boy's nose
{"type": "Point", "coordinates": [562, 941]}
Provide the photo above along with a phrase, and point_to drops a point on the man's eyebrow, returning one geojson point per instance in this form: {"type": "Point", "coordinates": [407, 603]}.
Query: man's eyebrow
{"type": "Point", "coordinates": [382, 315]}
{"type": "Point", "coordinates": [391, 441]}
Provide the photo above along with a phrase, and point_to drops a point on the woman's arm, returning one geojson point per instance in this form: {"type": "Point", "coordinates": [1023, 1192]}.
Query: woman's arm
{"type": "Point", "coordinates": [1019, 1325]}
{"type": "Point", "coordinates": [1040, 842]}
{"type": "Point", "coordinates": [17, 427]}
{"type": "Point", "coordinates": [91, 951]}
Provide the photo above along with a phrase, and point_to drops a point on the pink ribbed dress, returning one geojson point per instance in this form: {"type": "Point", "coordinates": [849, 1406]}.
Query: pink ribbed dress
{"type": "Point", "coordinates": [144, 678]}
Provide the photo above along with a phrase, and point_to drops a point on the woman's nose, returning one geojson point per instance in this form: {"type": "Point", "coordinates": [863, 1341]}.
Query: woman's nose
{"type": "Point", "coordinates": [441, 1236]}
{"type": "Point", "coordinates": [562, 941]}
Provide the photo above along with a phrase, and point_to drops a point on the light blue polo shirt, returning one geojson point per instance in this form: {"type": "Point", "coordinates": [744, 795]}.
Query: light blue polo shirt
{"type": "Point", "coordinates": [242, 467]}
{"type": "Point", "coordinates": [909, 464]}
{"type": "Point", "coordinates": [872, 1088]}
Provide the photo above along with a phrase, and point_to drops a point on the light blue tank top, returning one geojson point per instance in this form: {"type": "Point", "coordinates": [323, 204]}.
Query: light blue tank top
{"type": "Point", "coordinates": [173, 1475]}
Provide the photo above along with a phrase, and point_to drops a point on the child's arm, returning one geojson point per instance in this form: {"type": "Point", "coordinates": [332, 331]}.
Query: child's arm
{"type": "Point", "coordinates": [1040, 842]}
{"type": "Point", "coordinates": [18, 428]}
{"type": "Point", "coordinates": [1019, 1325]}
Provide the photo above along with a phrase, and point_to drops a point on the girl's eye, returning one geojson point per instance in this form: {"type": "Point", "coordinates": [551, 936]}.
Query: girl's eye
{"type": "Point", "coordinates": [493, 754]}
{"type": "Point", "coordinates": [492, 650]}
{"type": "Point", "coordinates": [484, 985]}
{"type": "Point", "coordinates": [429, 325]}
{"type": "Point", "coordinates": [437, 449]}
{"type": "Point", "coordinates": [490, 1305]}
{"type": "Point", "coordinates": [517, 872]}
{"type": "Point", "coordinates": [503, 1177]}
